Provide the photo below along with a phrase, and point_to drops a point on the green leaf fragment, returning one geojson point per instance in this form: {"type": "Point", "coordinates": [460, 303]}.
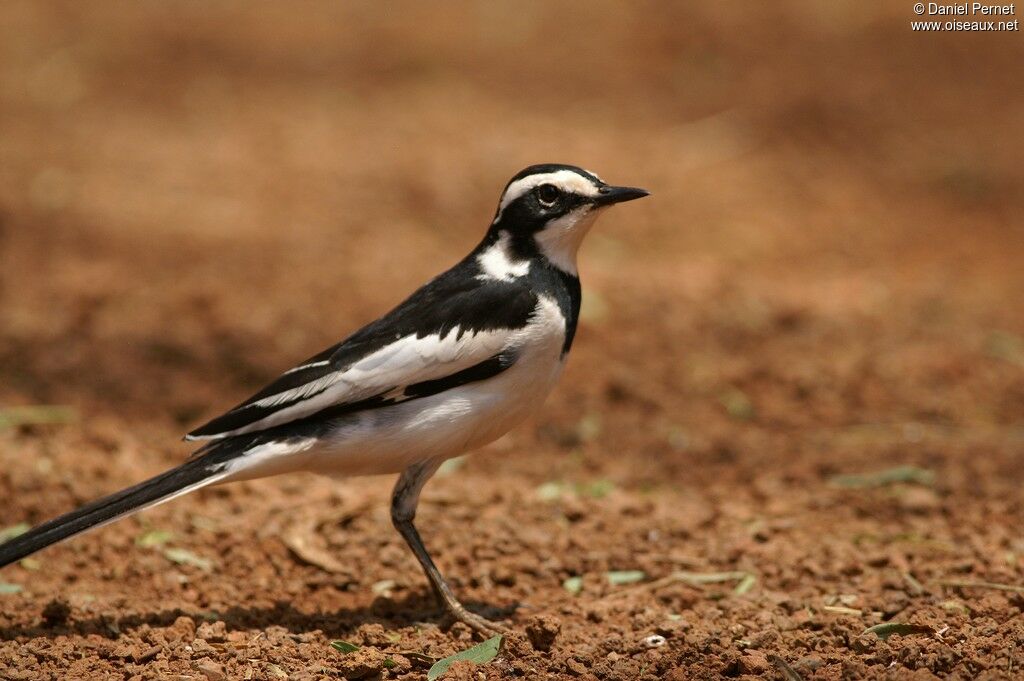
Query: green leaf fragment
{"type": "Point", "coordinates": [599, 489]}
{"type": "Point", "coordinates": [344, 646]}
{"type": "Point", "coordinates": [955, 606]}
{"type": "Point", "coordinates": [550, 491]}
{"type": "Point", "coordinates": [887, 629]}
{"type": "Point", "coordinates": [7, 588]}
{"type": "Point", "coordinates": [710, 577]}
{"type": "Point", "coordinates": [745, 585]}
{"type": "Point", "coordinates": [478, 654]}
{"type": "Point", "coordinates": [154, 538]}
{"type": "Point", "coordinates": [906, 474]}
{"type": "Point", "coordinates": [36, 415]}
{"type": "Point", "coordinates": [554, 490]}
{"type": "Point", "coordinates": [916, 588]}
{"type": "Point", "coordinates": [970, 584]}
{"type": "Point", "coordinates": [573, 585]}
{"type": "Point", "coordinates": [186, 557]}
{"type": "Point", "coordinates": [618, 577]}
{"type": "Point", "coordinates": [13, 531]}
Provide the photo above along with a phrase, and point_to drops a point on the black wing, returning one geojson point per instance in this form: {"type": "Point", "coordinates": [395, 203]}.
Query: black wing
{"type": "Point", "coordinates": [455, 330]}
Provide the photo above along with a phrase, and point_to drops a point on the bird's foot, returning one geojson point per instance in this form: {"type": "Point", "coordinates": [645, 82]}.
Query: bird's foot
{"type": "Point", "coordinates": [480, 625]}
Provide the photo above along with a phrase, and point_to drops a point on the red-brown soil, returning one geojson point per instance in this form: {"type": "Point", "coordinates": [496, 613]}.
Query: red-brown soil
{"type": "Point", "coordinates": [826, 281]}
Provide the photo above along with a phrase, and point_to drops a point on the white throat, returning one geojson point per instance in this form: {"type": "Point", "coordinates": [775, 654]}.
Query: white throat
{"type": "Point", "coordinates": [560, 239]}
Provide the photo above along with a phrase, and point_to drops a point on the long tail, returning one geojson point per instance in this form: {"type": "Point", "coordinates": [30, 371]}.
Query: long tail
{"type": "Point", "coordinates": [202, 470]}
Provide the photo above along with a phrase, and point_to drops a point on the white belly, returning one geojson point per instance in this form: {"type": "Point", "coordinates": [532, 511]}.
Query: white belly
{"type": "Point", "coordinates": [391, 439]}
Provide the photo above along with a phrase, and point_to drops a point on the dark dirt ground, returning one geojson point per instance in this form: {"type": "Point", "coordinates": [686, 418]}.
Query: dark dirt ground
{"type": "Point", "coordinates": [827, 281]}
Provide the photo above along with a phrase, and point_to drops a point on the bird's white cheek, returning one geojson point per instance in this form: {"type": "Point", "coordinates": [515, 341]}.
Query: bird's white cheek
{"type": "Point", "coordinates": [560, 240]}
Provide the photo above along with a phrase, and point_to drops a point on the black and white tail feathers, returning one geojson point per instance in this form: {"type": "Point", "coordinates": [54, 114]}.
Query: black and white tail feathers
{"type": "Point", "coordinates": [205, 468]}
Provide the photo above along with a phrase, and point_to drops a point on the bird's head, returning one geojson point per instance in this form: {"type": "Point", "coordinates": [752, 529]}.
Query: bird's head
{"type": "Point", "coordinates": [551, 207]}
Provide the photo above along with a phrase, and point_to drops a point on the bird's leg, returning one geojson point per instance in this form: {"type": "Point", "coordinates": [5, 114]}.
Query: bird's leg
{"type": "Point", "coordinates": [403, 510]}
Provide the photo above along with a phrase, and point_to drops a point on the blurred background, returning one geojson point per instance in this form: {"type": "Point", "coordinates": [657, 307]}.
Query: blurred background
{"type": "Point", "coordinates": [827, 277]}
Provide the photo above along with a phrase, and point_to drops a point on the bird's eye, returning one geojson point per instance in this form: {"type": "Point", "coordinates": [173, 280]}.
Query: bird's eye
{"type": "Point", "coordinates": [548, 194]}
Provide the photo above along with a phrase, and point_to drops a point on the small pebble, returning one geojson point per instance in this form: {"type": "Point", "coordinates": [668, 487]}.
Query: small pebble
{"type": "Point", "coordinates": [654, 641]}
{"type": "Point", "coordinates": [211, 670]}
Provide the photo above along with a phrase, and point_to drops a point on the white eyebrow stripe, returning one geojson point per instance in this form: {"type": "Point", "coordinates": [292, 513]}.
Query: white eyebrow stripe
{"type": "Point", "coordinates": [566, 180]}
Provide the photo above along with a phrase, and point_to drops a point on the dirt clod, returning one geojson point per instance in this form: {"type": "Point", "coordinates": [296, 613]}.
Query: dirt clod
{"type": "Point", "coordinates": [211, 670]}
{"type": "Point", "coordinates": [542, 631]}
{"type": "Point", "coordinates": [754, 663]}
{"type": "Point", "coordinates": [361, 664]}
{"type": "Point", "coordinates": [575, 667]}
{"type": "Point", "coordinates": [56, 613]}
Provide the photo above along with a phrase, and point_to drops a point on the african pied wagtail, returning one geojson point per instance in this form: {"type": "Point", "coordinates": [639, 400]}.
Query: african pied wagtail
{"type": "Point", "coordinates": [455, 366]}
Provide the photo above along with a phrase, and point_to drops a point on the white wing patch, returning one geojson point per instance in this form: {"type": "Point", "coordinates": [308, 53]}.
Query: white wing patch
{"type": "Point", "coordinates": [496, 262]}
{"type": "Point", "coordinates": [407, 361]}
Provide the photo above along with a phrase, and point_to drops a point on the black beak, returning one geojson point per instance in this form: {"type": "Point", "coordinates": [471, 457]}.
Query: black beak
{"type": "Point", "coordinates": [606, 195]}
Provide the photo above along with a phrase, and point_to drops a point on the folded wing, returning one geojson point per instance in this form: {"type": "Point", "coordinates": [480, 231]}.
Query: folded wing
{"type": "Point", "coordinates": [428, 344]}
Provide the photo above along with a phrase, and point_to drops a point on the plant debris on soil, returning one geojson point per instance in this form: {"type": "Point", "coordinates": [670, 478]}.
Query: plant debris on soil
{"type": "Point", "coordinates": [788, 440]}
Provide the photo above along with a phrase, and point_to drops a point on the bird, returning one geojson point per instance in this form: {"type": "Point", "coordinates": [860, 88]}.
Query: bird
{"type": "Point", "coordinates": [459, 363]}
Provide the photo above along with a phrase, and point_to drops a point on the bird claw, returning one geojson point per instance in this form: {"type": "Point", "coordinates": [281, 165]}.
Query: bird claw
{"type": "Point", "coordinates": [480, 625]}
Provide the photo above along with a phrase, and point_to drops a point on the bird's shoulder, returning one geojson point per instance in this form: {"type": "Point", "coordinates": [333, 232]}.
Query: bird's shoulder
{"type": "Point", "coordinates": [457, 298]}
